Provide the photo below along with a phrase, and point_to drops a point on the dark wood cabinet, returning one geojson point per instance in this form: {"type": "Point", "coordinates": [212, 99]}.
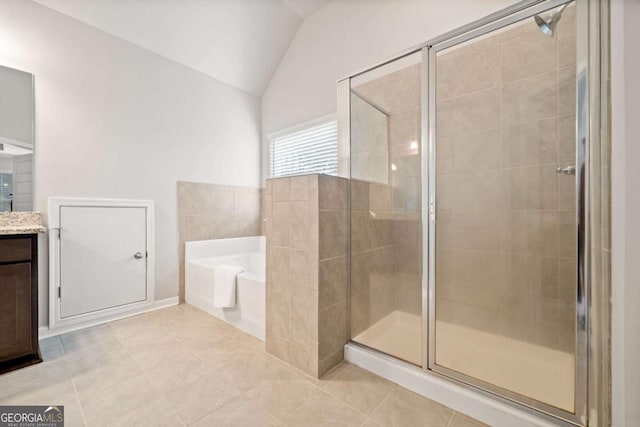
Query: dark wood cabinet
{"type": "Point", "coordinates": [18, 301]}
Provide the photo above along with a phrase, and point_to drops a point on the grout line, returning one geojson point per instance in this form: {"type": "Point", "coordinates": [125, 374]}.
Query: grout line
{"type": "Point", "coordinates": [387, 396]}
{"type": "Point", "coordinates": [144, 372]}
{"type": "Point", "coordinates": [453, 414]}
{"type": "Point", "coordinates": [66, 362]}
{"type": "Point", "coordinates": [349, 405]}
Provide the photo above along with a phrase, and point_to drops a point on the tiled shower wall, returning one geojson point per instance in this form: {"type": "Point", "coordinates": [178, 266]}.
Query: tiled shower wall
{"type": "Point", "coordinates": [506, 236]}
{"type": "Point", "coordinates": [385, 257]}
{"type": "Point", "coordinates": [306, 228]}
{"type": "Point", "coordinates": [211, 211]}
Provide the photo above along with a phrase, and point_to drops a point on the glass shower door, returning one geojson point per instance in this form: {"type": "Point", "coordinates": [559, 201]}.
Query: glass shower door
{"type": "Point", "coordinates": [504, 238]}
{"type": "Point", "coordinates": [386, 244]}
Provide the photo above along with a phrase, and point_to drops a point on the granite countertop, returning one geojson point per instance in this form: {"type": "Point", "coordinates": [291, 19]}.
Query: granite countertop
{"type": "Point", "coordinates": [20, 223]}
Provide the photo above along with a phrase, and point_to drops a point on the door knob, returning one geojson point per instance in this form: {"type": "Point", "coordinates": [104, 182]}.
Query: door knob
{"type": "Point", "coordinates": [138, 255]}
{"type": "Point", "coordinates": [567, 170]}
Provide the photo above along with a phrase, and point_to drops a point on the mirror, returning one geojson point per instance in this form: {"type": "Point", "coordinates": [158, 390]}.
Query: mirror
{"type": "Point", "coordinates": [16, 140]}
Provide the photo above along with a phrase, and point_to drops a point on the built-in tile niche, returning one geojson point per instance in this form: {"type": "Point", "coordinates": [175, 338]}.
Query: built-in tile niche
{"type": "Point", "coordinates": [307, 270]}
{"type": "Point", "coordinates": [211, 211]}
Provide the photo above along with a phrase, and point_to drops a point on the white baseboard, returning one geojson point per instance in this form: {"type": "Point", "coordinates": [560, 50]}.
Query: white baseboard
{"type": "Point", "coordinates": [45, 332]}
{"type": "Point", "coordinates": [464, 400]}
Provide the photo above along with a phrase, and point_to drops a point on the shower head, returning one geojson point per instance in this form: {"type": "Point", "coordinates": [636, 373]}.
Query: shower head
{"type": "Point", "coordinates": [548, 25]}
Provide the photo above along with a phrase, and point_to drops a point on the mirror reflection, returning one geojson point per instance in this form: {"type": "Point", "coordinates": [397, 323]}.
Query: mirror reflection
{"type": "Point", "coordinates": [16, 140]}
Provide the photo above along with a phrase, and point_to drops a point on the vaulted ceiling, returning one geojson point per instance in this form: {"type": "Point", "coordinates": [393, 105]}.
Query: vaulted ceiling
{"type": "Point", "coordinates": [239, 42]}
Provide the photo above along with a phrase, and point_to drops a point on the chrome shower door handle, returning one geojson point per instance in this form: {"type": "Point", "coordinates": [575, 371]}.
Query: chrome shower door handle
{"type": "Point", "coordinates": [567, 170]}
{"type": "Point", "coordinates": [138, 255]}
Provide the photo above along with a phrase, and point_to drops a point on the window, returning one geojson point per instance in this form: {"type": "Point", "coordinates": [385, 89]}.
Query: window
{"type": "Point", "coordinates": [312, 149]}
{"type": "Point", "coordinates": [6, 188]}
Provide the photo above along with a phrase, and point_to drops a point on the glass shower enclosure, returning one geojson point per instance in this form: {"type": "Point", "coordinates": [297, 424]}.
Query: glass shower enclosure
{"type": "Point", "coordinates": [386, 191]}
{"type": "Point", "coordinates": [467, 207]}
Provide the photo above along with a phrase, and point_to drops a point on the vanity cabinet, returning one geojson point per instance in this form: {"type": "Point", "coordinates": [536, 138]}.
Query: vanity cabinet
{"type": "Point", "coordinates": [18, 301]}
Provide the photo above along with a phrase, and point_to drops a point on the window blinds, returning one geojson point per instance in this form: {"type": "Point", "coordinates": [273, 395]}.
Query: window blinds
{"type": "Point", "coordinates": [311, 150]}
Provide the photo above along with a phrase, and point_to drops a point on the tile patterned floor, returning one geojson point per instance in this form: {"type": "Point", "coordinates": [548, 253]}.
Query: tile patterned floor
{"type": "Point", "coordinates": [180, 366]}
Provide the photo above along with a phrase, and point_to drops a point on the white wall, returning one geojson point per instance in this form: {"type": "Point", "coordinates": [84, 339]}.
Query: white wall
{"type": "Point", "coordinates": [625, 177]}
{"type": "Point", "coordinates": [116, 121]}
{"type": "Point", "coordinates": [348, 35]}
{"type": "Point", "coordinates": [6, 164]}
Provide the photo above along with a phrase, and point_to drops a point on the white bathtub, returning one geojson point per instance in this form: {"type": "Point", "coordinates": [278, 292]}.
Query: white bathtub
{"type": "Point", "coordinates": [246, 252]}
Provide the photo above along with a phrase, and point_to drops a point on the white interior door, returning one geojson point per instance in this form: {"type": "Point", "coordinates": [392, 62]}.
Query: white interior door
{"type": "Point", "coordinates": [103, 258]}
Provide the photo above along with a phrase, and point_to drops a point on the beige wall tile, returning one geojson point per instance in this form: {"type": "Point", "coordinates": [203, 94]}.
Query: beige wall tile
{"type": "Point", "coordinates": [533, 98]}
{"type": "Point", "coordinates": [477, 111]}
{"type": "Point", "coordinates": [300, 274]}
{"type": "Point", "coordinates": [300, 356]}
{"type": "Point", "coordinates": [379, 197]}
{"type": "Point", "coordinates": [280, 190]}
{"type": "Point", "coordinates": [526, 55]}
{"type": "Point", "coordinates": [246, 204]}
{"type": "Point", "coordinates": [477, 71]}
{"type": "Point", "coordinates": [280, 309]}
{"type": "Point", "coordinates": [444, 78]}
{"type": "Point", "coordinates": [299, 188]}
{"type": "Point", "coordinates": [567, 139]}
{"type": "Point", "coordinates": [360, 268]}
{"type": "Point", "coordinates": [360, 313]}
{"type": "Point", "coordinates": [332, 193]}
{"type": "Point", "coordinates": [280, 224]}
{"type": "Point", "coordinates": [278, 269]}
{"type": "Point", "coordinates": [300, 222]}
{"type": "Point", "coordinates": [567, 91]}
{"type": "Point", "coordinates": [531, 143]}
{"type": "Point", "coordinates": [478, 150]}
{"type": "Point", "coordinates": [332, 280]}
{"type": "Point", "coordinates": [361, 233]}
{"type": "Point", "coordinates": [211, 211]}
{"type": "Point", "coordinates": [275, 345]}
{"type": "Point", "coordinates": [331, 361]}
{"type": "Point", "coordinates": [300, 321]}
{"type": "Point", "coordinates": [445, 119]}
{"type": "Point", "coordinates": [567, 46]}
{"type": "Point", "coordinates": [567, 233]}
{"type": "Point", "coordinates": [333, 233]}
{"type": "Point", "coordinates": [332, 329]}
{"type": "Point", "coordinates": [359, 195]}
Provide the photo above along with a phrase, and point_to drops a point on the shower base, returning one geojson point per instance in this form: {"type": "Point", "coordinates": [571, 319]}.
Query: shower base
{"type": "Point", "coordinates": [398, 334]}
{"type": "Point", "coordinates": [542, 373]}
{"type": "Point", "coordinates": [534, 371]}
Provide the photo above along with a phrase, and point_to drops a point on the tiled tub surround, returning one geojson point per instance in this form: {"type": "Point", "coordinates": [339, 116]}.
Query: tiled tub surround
{"type": "Point", "coordinates": [212, 211]}
{"type": "Point", "coordinates": [20, 223]}
{"type": "Point", "coordinates": [180, 366]}
{"type": "Point", "coordinates": [306, 228]}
